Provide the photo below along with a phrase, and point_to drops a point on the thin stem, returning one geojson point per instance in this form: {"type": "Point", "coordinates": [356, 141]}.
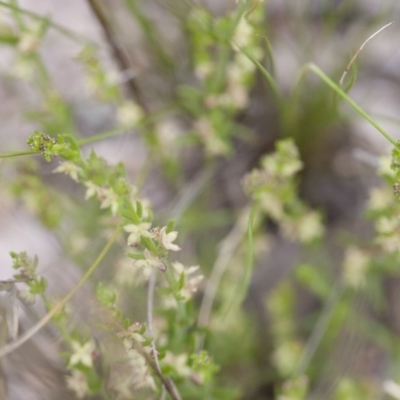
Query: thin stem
{"type": "Point", "coordinates": [17, 15]}
{"type": "Point", "coordinates": [104, 135]}
{"type": "Point", "coordinates": [243, 285]}
{"type": "Point", "coordinates": [120, 56]}
{"type": "Point", "coordinates": [340, 92]}
{"type": "Point", "coordinates": [358, 52]}
{"type": "Point", "coordinates": [191, 191]}
{"type": "Point", "coordinates": [58, 307]}
{"type": "Point", "coordinates": [166, 382]}
{"type": "Point", "coordinates": [67, 32]}
{"type": "Point", "coordinates": [225, 51]}
{"type": "Point", "coordinates": [148, 120]}
{"type": "Point", "coordinates": [227, 250]}
{"type": "Point", "coordinates": [319, 330]}
{"type": "Point", "coordinates": [266, 74]}
{"type": "Point", "coordinates": [19, 153]}
{"type": "Point", "coordinates": [252, 8]}
{"type": "Point", "coordinates": [269, 53]}
{"type": "Point", "coordinates": [149, 30]}
{"type": "Point", "coordinates": [150, 308]}
{"type": "Point", "coordinates": [150, 303]}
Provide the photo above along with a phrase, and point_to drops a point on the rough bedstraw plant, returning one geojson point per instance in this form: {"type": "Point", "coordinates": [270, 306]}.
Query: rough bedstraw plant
{"type": "Point", "coordinates": [176, 350]}
{"type": "Point", "coordinates": [152, 244]}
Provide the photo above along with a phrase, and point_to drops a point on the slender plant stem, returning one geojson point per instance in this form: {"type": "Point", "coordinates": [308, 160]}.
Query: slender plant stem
{"type": "Point", "coordinates": [104, 135]}
{"type": "Point", "coordinates": [191, 191]}
{"type": "Point", "coordinates": [17, 14]}
{"type": "Point", "coordinates": [150, 307]}
{"type": "Point", "coordinates": [59, 306]}
{"type": "Point", "coordinates": [120, 55]}
{"type": "Point", "coordinates": [340, 92]}
{"type": "Point", "coordinates": [225, 254]}
{"type": "Point", "coordinates": [268, 76]}
{"type": "Point", "coordinates": [240, 291]}
{"type": "Point", "coordinates": [319, 330]}
{"type": "Point", "coordinates": [19, 153]}
{"type": "Point", "coordinates": [358, 52]}
{"type": "Point", "coordinates": [225, 51]}
{"type": "Point", "coordinates": [62, 29]}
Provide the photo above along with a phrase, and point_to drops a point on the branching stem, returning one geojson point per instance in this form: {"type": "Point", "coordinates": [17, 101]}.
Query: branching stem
{"type": "Point", "coordinates": [59, 306]}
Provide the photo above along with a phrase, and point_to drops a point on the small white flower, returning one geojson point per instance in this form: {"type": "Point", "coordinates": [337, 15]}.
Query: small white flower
{"type": "Point", "coordinates": [238, 94]}
{"type": "Point", "coordinates": [271, 205]}
{"type": "Point", "coordinates": [148, 263]}
{"type": "Point", "coordinates": [243, 34]}
{"type": "Point", "coordinates": [179, 363]}
{"type": "Point", "coordinates": [69, 168]}
{"type": "Point", "coordinates": [136, 232]}
{"type": "Point", "coordinates": [129, 114]}
{"type": "Point", "coordinates": [108, 199]}
{"type": "Point", "coordinates": [28, 44]}
{"type": "Point", "coordinates": [309, 227]}
{"type": "Point", "coordinates": [212, 142]}
{"type": "Point", "coordinates": [91, 189]}
{"type": "Point", "coordinates": [77, 383]}
{"type": "Point", "coordinates": [83, 354]}
{"type": "Point", "coordinates": [391, 388]}
{"type": "Point", "coordinates": [390, 244]}
{"type": "Point", "coordinates": [385, 166]}
{"type": "Point", "coordinates": [204, 69]}
{"type": "Point", "coordinates": [386, 226]}
{"type": "Point", "coordinates": [380, 198]}
{"type": "Point", "coordinates": [169, 132]}
{"type": "Point", "coordinates": [140, 376]}
{"type": "Point", "coordinates": [166, 239]}
{"type": "Point", "coordinates": [190, 277]}
{"type": "Point", "coordinates": [29, 40]}
{"type": "Point", "coordinates": [355, 266]}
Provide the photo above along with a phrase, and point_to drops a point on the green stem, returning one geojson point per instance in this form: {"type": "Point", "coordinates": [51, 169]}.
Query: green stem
{"type": "Point", "coordinates": [319, 330]}
{"type": "Point", "coordinates": [65, 31]}
{"type": "Point", "coordinates": [148, 28]}
{"type": "Point", "coordinates": [341, 93]}
{"type": "Point", "coordinates": [58, 307]}
{"type": "Point", "coordinates": [243, 286]}
{"type": "Point", "coordinates": [17, 15]}
{"type": "Point", "coordinates": [104, 135]}
{"type": "Point", "coordinates": [266, 74]}
{"type": "Point", "coordinates": [19, 153]}
{"type": "Point", "coordinates": [225, 51]}
{"type": "Point", "coordinates": [227, 250]}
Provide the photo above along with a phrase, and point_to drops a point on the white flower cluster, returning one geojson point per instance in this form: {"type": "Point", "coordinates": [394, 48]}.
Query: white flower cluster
{"type": "Point", "coordinates": [82, 355]}
{"type": "Point", "coordinates": [273, 186]}
{"type": "Point", "coordinates": [140, 374]}
{"type": "Point", "coordinates": [164, 239]}
{"type": "Point", "coordinates": [189, 277]}
{"type": "Point", "coordinates": [355, 267]}
{"type": "Point", "coordinates": [69, 168]}
{"type": "Point", "coordinates": [128, 114]}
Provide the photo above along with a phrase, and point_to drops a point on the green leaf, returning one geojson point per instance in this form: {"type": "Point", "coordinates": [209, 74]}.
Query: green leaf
{"type": "Point", "coordinates": [106, 295]}
{"type": "Point", "coordinates": [170, 225]}
{"type": "Point", "coordinates": [313, 279]}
